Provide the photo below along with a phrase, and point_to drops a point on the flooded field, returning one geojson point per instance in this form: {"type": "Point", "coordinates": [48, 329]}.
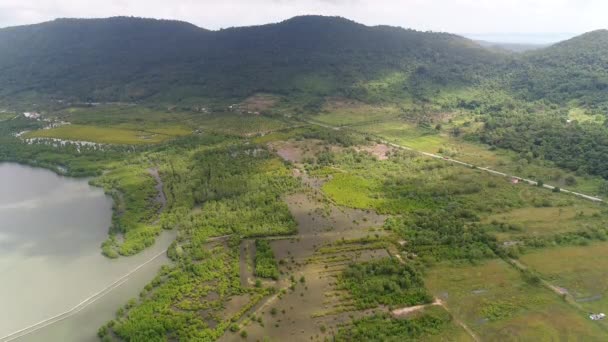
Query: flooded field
{"type": "Point", "coordinates": [56, 285]}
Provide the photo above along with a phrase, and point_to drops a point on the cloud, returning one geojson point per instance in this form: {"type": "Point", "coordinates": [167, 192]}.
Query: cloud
{"type": "Point", "coordinates": [460, 16]}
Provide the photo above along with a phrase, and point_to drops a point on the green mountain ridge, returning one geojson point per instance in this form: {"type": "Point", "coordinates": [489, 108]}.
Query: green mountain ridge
{"type": "Point", "coordinates": [133, 59]}
{"type": "Point", "coordinates": [137, 59]}
{"type": "Point", "coordinates": [575, 69]}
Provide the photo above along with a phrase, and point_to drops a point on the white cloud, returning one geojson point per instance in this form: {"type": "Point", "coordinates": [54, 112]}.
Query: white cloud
{"type": "Point", "coordinates": [460, 16]}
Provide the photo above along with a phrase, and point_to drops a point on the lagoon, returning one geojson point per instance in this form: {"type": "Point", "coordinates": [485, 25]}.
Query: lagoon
{"type": "Point", "coordinates": [51, 229]}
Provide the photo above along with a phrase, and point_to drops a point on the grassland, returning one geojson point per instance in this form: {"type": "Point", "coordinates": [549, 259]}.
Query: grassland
{"type": "Point", "coordinates": [434, 133]}
{"type": "Point", "coordinates": [543, 221]}
{"type": "Point", "coordinates": [345, 112]}
{"type": "Point", "coordinates": [123, 114]}
{"type": "Point", "coordinates": [6, 116]}
{"type": "Point", "coordinates": [578, 270]}
{"type": "Point", "coordinates": [110, 135]}
{"type": "Point", "coordinates": [246, 125]}
{"type": "Point", "coordinates": [442, 142]}
{"type": "Point", "coordinates": [498, 304]}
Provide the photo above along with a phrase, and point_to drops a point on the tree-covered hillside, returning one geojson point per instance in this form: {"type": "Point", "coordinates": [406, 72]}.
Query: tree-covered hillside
{"type": "Point", "coordinates": [576, 69]}
{"type": "Point", "coordinates": [127, 59]}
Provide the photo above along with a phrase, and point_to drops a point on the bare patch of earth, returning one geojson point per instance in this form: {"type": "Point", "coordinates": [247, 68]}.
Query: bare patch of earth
{"type": "Point", "coordinates": [160, 198]}
{"type": "Point", "coordinates": [297, 151]}
{"type": "Point", "coordinates": [380, 151]}
{"type": "Point", "coordinates": [403, 312]}
{"type": "Point", "coordinates": [259, 102]}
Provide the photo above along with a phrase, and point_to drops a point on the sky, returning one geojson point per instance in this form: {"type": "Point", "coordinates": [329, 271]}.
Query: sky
{"type": "Point", "coordinates": [526, 21]}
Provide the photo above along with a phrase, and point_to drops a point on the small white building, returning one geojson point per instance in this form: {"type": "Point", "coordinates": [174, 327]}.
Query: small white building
{"type": "Point", "coordinates": [31, 115]}
{"type": "Point", "coordinates": [597, 317]}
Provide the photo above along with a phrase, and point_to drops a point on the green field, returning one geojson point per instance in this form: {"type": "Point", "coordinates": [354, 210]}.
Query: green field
{"type": "Point", "coordinates": [495, 301]}
{"type": "Point", "coordinates": [342, 112]}
{"type": "Point", "coordinates": [110, 135]}
{"type": "Point", "coordinates": [543, 221]}
{"type": "Point", "coordinates": [6, 116]}
{"type": "Point", "coordinates": [242, 124]}
{"type": "Point", "coordinates": [441, 142]}
{"type": "Point", "coordinates": [577, 269]}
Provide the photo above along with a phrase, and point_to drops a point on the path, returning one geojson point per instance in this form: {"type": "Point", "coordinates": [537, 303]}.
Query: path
{"type": "Point", "coordinates": [466, 328]}
{"type": "Point", "coordinates": [411, 309]}
{"type": "Point", "coordinates": [455, 161]}
{"type": "Point", "coordinates": [563, 293]}
{"type": "Point", "coordinates": [405, 311]}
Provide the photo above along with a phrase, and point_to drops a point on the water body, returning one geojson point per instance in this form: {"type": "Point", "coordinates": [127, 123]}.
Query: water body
{"type": "Point", "coordinates": [51, 228]}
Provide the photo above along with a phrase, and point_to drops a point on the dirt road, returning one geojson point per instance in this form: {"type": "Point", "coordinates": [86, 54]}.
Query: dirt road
{"type": "Point", "coordinates": [455, 161]}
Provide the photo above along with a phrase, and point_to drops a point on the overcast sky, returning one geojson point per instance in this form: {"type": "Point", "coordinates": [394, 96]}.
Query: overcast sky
{"type": "Point", "coordinates": [506, 20]}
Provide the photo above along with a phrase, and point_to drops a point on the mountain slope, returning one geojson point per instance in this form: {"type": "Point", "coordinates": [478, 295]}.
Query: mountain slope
{"type": "Point", "coordinates": [576, 69]}
{"type": "Point", "coordinates": [134, 59]}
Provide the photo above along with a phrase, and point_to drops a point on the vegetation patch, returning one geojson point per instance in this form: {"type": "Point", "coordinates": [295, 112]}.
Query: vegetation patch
{"type": "Point", "coordinates": [109, 135]}
{"type": "Point", "coordinates": [498, 302]}
{"type": "Point", "coordinates": [133, 190]}
{"type": "Point", "coordinates": [265, 263]}
{"type": "Point", "coordinates": [431, 324]}
{"type": "Point", "coordinates": [384, 282]}
{"type": "Point", "coordinates": [575, 269]}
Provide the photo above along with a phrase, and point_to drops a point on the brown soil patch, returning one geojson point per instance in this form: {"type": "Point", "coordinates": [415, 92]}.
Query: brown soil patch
{"type": "Point", "coordinates": [315, 216]}
{"type": "Point", "coordinates": [296, 151]}
{"type": "Point", "coordinates": [234, 305]}
{"type": "Point", "coordinates": [259, 102]}
{"type": "Point", "coordinates": [380, 151]}
{"type": "Point", "coordinates": [333, 103]}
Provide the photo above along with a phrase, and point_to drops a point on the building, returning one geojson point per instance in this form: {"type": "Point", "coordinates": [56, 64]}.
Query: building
{"type": "Point", "coordinates": [597, 317]}
{"type": "Point", "coordinates": [31, 115]}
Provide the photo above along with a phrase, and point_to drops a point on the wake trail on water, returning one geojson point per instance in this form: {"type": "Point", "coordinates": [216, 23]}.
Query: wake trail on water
{"type": "Point", "coordinates": [79, 307]}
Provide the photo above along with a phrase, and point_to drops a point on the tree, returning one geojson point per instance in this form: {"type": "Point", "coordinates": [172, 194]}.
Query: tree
{"type": "Point", "coordinates": [570, 181]}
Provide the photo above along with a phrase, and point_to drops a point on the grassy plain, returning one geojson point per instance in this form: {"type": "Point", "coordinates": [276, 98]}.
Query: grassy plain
{"type": "Point", "coordinates": [111, 135]}
{"type": "Point", "coordinates": [345, 112]}
{"type": "Point", "coordinates": [442, 142]}
{"type": "Point", "coordinates": [577, 269]}
{"type": "Point", "coordinates": [543, 221]}
{"type": "Point", "coordinates": [246, 125]}
{"type": "Point", "coordinates": [495, 301]}
{"type": "Point", "coordinates": [392, 124]}
{"type": "Point", "coordinates": [6, 116]}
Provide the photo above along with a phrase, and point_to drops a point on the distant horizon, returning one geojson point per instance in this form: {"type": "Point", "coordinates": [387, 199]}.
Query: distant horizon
{"type": "Point", "coordinates": [522, 38]}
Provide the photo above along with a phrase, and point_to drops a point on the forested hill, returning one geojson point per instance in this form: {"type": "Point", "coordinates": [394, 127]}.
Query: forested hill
{"type": "Point", "coordinates": [135, 59]}
{"type": "Point", "coordinates": [576, 69]}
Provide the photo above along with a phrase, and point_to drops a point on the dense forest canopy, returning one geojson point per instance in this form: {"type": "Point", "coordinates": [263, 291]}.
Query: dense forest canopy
{"type": "Point", "coordinates": [129, 59]}
{"type": "Point", "coordinates": [576, 69]}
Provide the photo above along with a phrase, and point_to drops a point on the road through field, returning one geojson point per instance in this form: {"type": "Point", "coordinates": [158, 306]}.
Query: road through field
{"type": "Point", "coordinates": [455, 161]}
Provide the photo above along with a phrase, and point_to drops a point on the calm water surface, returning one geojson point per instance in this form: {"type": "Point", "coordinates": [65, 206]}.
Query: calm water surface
{"type": "Point", "coordinates": [51, 228]}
